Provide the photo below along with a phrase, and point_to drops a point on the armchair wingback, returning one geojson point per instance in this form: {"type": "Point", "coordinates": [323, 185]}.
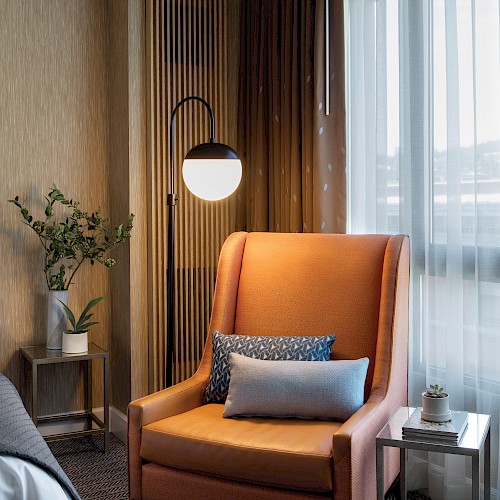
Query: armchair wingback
{"type": "Point", "coordinates": [355, 286]}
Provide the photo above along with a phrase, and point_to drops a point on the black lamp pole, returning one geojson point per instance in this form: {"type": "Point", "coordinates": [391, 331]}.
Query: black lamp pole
{"type": "Point", "coordinates": [172, 199]}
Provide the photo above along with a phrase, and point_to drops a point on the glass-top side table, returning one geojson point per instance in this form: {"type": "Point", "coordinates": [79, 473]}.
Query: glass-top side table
{"type": "Point", "coordinates": [81, 423]}
{"type": "Point", "coordinates": [475, 440]}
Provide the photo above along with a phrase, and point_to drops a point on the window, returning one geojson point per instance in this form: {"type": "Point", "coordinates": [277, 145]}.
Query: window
{"type": "Point", "coordinates": [423, 122]}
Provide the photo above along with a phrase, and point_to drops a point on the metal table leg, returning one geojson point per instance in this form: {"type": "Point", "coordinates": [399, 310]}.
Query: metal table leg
{"type": "Point", "coordinates": [87, 377]}
{"type": "Point", "coordinates": [106, 404]}
{"type": "Point", "coordinates": [34, 393]}
{"type": "Point", "coordinates": [380, 472]}
{"type": "Point", "coordinates": [487, 472]}
{"type": "Point", "coordinates": [402, 473]}
{"type": "Point", "coordinates": [475, 476]}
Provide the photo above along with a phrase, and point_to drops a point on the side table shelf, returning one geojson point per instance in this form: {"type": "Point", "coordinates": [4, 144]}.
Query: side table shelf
{"type": "Point", "coordinates": [82, 423]}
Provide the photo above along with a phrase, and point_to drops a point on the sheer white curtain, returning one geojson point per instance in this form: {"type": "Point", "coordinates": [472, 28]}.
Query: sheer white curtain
{"type": "Point", "coordinates": [423, 125]}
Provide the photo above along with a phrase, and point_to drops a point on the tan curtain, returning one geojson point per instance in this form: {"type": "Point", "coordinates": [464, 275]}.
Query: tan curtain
{"type": "Point", "coordinates": [293, 153]}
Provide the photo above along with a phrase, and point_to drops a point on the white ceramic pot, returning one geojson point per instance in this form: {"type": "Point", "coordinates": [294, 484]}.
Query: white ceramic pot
{"type": "Point", "coordinates": [56, 319]}
{"type": "Point", "coordinates": [436, 409]}
{"type": "Point", "coordinates": [74, 343]}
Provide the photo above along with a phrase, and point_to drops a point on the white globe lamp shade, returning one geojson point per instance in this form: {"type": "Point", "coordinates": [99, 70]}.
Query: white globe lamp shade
{"type": "Point", "coordinates": [212, 171]}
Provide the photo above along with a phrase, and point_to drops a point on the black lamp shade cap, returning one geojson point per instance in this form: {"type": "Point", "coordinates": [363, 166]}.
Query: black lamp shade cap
{"type": "Point", "coordinates": [212, 151]}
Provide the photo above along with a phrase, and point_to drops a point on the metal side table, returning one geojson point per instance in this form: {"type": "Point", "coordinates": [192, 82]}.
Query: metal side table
{"type": "Point", "coordinates": [475, 440]}
{"type": "Point", "coordinates": [81, 423]}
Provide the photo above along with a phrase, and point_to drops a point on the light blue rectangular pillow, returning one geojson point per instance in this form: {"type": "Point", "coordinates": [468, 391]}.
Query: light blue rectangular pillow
{"type": "Point", "coordinates": [329, 390]}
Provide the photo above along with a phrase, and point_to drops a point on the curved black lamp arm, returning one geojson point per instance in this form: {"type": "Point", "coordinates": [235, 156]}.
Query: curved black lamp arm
{"type": "Point", "coordinates": [172, 199]}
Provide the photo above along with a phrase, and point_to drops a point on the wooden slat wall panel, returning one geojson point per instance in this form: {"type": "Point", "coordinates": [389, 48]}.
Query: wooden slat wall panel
{"type": "Point", "coordinates": [196, 47]}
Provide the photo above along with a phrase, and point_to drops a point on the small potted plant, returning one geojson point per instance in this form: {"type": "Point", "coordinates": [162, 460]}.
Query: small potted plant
{"type": "Point", "coordinates": [435, 404]}
{"type": "Point", "coordinates": [75, 340]}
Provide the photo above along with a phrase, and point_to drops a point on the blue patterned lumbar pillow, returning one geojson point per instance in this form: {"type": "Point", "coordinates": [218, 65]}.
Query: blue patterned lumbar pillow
{"type": "Point", "coordinates": [332, 390]}
{"type": "Point", "coordinates": [293, 348]}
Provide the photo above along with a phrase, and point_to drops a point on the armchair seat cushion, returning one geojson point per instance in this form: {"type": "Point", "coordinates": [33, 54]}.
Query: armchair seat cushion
{"type": "Point", "coordinates": [285, 453]}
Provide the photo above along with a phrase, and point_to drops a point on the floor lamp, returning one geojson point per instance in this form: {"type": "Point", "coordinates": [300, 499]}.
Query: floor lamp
{"type": "Point", "coordinates": [212, 171]}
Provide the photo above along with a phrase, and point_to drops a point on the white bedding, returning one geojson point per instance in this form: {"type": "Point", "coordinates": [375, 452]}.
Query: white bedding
{"type": "Point", "coordinates": [22, 480]}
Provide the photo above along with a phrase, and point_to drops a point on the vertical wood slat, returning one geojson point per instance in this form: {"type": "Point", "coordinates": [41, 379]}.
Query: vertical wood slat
{"type": "Point", "coordinates": [196, 63]}
{"type": "Point", "coordinates": [166, 103]}
{"type": "Point", "coordinates": [157, 191]}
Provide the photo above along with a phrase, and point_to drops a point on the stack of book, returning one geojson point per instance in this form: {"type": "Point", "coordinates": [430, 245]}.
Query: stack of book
{"type": "Point", "coordinates": [446, 432]}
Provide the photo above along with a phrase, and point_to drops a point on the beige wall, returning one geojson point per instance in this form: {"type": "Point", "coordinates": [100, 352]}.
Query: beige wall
{"type": "Point", "coordinates": [59, 107]}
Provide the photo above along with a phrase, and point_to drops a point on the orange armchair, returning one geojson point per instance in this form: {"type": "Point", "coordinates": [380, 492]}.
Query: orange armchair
{"type": "Point", "coordinates": [355, 286]}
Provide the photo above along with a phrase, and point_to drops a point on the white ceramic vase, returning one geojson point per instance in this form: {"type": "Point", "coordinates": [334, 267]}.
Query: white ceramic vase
{"type": "Point", "coordinates": [75, 343]}
{"type": "Point", "coordinates": [56, 319]}
{"type": "Point", "coordinates": [436, 409]}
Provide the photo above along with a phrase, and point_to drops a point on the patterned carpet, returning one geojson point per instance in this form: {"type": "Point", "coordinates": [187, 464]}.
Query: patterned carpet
{"type": "Point", "coordinates": [94, 475]}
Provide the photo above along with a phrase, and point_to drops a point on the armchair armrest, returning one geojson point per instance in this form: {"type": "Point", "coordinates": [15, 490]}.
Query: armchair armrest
{"type": "Point", "coordinates": [166, 403]}
{"type": "Point", "coordinates": [354, 447]}
{"type": "Point", "coordinates": [171, 401]}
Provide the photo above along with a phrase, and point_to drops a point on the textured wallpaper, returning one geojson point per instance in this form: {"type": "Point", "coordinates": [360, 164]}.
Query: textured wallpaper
{"type": "Point", "coordinates": [53, 128]}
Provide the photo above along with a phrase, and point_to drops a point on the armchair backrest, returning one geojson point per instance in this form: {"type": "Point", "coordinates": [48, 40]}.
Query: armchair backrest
{"type": "Point", "coordinates": [314, 284]}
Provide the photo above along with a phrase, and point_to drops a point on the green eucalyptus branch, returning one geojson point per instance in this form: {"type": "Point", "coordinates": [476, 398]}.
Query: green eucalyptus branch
{"type": "Point", "coordinates": [80, 236]}
{"type": "Point", "coordinates": [74, 271]}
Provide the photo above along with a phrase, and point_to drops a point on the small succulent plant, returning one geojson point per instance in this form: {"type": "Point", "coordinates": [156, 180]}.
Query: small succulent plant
{"type": "Point", "coordinates": [434, 391]}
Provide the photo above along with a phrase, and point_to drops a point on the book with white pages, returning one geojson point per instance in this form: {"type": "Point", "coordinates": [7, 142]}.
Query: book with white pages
{"type": "Point", "coordinates": [451, 431]}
